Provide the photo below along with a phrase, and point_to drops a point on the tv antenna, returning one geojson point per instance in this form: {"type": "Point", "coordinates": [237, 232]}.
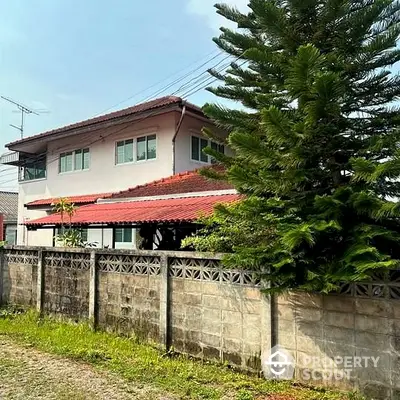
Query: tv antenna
{"type": "Point", "coordinates": [23, 110]}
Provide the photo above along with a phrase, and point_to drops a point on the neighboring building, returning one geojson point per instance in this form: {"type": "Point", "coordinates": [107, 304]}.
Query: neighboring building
{"type": "Point", "coordinates": [8, 216]}
{"type": "Point", "coordinates": [104, 155]}
{"type": "Point", "coordinates": [157, 215]}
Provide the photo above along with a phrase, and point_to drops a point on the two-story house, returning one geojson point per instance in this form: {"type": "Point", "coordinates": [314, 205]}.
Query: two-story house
{"type": "Point", "coordinates": [91, 159]}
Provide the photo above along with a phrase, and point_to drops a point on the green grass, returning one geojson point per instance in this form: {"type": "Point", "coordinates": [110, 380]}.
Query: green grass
{"type": "Point", "coordinates": [143, 364]}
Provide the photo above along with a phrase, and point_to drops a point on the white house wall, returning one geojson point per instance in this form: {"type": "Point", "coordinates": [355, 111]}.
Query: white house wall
{"type": "Point", "coordinates": [103, 175]}
{"type": "Point", "coordinates": [190, 126]}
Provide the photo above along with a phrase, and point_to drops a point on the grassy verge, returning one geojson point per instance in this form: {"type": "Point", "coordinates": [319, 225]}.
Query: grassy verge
{"type": "Point", "coordinates": [142, 364]}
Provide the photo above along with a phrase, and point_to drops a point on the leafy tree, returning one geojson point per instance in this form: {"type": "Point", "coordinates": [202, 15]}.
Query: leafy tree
{"type": "Point", "coordinates": [63, 206]}
{"type": "Point", "coordinates": [316, 143]}
{"type": "Point", "coordinates": [69, 237]}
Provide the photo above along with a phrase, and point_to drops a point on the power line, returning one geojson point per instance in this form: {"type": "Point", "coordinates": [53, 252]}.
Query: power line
{"type": "Point", "coordinates": [202, 83]}
{"type": "Point", "coordinates": [197, 84]}
{"type": "Point", "coordinates": [196, 78]}
{"type": "Point", "coordinates": [188, 84]}
{"type": "Point", "coordinates": [194, 91]}
{"type": "Point", "coordinates": [166, 79]}
{"type": "Point", "coordinates": [184, 86]}
{"type": "Point", "coordinates": [162, 90]}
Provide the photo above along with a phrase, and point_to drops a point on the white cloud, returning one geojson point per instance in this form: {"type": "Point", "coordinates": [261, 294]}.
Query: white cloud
{"type": "Point", "coordinates": [206, 9]}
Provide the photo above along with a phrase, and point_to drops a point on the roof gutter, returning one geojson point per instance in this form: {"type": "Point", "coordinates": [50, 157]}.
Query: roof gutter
{"type": "Point", "coordinates": [178, 128]}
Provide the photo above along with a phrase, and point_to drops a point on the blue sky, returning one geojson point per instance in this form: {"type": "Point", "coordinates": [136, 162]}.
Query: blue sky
{"type": "Point", "coordinates": [78, 58]}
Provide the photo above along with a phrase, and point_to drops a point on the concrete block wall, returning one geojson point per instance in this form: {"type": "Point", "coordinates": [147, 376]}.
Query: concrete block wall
{"type": "Point", "coordinates": [219, 321]}
{"type": "Point", "coordinates": [18, 279]}
{"type": "Point", "coordinates": [327, 327]}
{"type": "Point", "coordinates": [186, 300]}
{"type": "Point", "coordinates": [66, 284]}
{"type": "Point", "coordinates": [19, 284]}
{"type": "Point", "coordinates": [129, 304]}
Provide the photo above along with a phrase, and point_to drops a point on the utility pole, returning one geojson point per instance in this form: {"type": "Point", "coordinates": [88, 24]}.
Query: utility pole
{"type": "Point", "coordinates": [24, 110]}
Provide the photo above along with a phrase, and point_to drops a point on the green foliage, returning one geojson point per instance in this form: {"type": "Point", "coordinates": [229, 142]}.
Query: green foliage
{"type": "Point", "coordinates": [69, 237]}
{"type": "Point", "coordinates": [141, 364]}
{"type": "Point", "coordinates": [64, 206]}
{"type": "Point", "coordinates": [2, 244]}
{"type": "Point", "coordinates": [316, 151]}
{"type": "Point", "coordinates": [73, 238]}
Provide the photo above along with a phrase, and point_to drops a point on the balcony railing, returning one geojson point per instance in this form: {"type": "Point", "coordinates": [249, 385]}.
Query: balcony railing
{"type": "Point", "coordinates": [11, 158]}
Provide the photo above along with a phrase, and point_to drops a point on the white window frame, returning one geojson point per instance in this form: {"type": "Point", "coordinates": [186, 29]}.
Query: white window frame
{"type": "Point", "coordinates": [124, 229]}
{"type": "Point", "coordinates": [136, 145]}
{"type": "Point", "coordinates": [135, 149]}
{"type": "Point", "coordinates": [116, 152]}
{"type": "Point", "coordinates": [73, 166]}
{"type": "Point", "coordinates": [209, 158]}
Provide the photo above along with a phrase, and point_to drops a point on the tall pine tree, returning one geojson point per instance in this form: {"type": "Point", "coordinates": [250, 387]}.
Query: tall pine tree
{"type": "Point", "coordinates": [316, 145]}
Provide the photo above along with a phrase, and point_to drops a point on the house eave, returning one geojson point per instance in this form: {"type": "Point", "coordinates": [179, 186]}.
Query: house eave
{"type": "Point", "coordinates": [26, 144]}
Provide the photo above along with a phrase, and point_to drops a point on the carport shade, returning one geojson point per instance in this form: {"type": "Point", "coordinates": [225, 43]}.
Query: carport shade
{"type": "Point", "coordinates": [186, 209]}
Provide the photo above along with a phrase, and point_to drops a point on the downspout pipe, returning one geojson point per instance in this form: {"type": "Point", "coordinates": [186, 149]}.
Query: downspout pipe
{"type": "Point", "coordinates": [178, 128]}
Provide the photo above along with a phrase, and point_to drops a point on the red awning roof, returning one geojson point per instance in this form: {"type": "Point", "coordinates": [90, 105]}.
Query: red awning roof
{"type": "Point", "coordinates": [186, 209]}
{"type": "Point", "coordinates": [78, 200]}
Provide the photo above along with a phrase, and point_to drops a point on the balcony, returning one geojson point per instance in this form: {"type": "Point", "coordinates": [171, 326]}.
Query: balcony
{"type": "Point", "coordinates": [11, 158]}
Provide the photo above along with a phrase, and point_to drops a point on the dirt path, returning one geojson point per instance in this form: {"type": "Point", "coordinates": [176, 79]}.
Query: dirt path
{"type": "Point", "coordinates": [26, 373]}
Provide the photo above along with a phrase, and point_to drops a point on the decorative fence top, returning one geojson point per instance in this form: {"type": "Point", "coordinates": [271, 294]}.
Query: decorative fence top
{"type": "Point", "coordinates": [180, 265]}
{"type": "Point", "coordinates": [384, 285]}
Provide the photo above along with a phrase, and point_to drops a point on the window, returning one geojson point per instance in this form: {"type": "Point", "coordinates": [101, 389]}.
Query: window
{"type": "Point", "coordinates": [123, 235]}
{"type": "Point", "coordinates": [65, 162]}
{"type": "Point", "coordinates": [77, 160]}
{"type": "Point", "coordinates": [217, 147]}
{"type": "Point", "coordinates": [33, 170]}
{"type": "Point", "coordinates": [124, 151]}
{"type": "Point", "coordinates": [146, 148]}
{"type": "Point", "coordinates": [199, 144]}
{"type": "Point", "coordinates": [82, 159]}
{"type": "Point", "coordinates": [84, 234]}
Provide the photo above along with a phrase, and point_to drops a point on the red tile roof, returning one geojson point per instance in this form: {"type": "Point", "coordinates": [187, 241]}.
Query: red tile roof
{"type": "Point", "coordinates": [186, 209]}
{"type": "Point", "coordinates": [137, 109]}
{"type": "Point", "coordinates": [186, 182]}
{"type": "Point", "coordinates": [79, 200]}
